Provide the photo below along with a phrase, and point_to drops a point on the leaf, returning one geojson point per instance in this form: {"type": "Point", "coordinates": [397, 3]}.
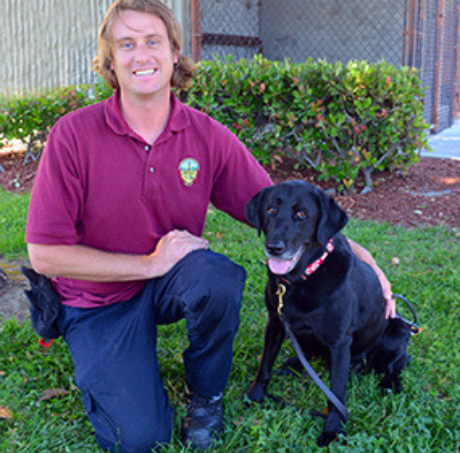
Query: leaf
{"type": "Point", "coordinates": [5, 413]}
{"type": "Point", "coordinates": [53, 393]}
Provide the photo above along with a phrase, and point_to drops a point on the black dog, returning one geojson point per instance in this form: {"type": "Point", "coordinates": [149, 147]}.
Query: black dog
{"type": "Point", "coordinates": [333, 302]}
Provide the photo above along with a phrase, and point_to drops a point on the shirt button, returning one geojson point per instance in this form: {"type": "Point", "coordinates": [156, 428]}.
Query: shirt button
{"type": "Point", "coordinates": [152, 169]}
{"type": "Point", "coordinates": [147, 148]}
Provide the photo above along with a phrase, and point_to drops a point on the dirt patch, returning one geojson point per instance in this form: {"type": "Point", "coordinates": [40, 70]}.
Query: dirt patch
{"type": "Point", "coordinates": [13, 302]}
{"type": "Point", "coordinates": [428, 194]}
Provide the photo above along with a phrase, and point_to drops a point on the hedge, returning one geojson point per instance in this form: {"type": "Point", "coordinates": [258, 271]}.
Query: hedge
{"type": "Point", "coordinates": [341, 119]}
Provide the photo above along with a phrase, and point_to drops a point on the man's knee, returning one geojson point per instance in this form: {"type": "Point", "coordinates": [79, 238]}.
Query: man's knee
{"type": "Point", "coordinates": [217, 272]}
{"type": "Point", "coordinates": [218, 281]}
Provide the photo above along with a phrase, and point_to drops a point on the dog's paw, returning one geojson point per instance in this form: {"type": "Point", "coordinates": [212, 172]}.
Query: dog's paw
{"type": "Point", "coordinates": [391, 382]}
{"type": "Point", "coordinates": [256, 393]}
{"type": "Point", "coordinates": [327, 437]}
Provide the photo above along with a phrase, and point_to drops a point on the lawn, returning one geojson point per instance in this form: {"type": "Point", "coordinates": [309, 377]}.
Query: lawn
{"type": "Point", "coordinates": [424, 418]}
{"type": "Point", "coordinates": [13, 213]}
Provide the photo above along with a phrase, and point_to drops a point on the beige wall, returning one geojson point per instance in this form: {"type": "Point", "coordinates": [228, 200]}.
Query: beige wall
{"type": "Point", "coordinates": [50, 43]}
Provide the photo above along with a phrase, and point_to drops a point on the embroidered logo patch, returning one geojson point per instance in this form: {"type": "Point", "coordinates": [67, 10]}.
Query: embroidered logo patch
{"type": "Point", "coordinates": [188, 170]}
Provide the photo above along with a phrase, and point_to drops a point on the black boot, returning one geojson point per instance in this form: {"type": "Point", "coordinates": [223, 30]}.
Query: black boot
{"type": "Point", "coordinates": [205, 417]}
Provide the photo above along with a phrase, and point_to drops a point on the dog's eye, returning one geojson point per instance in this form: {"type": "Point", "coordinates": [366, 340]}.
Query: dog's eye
{"type": "Point", "coordinates": [271, 211]}
{"type": "Point", "coordinates": [301, 215]}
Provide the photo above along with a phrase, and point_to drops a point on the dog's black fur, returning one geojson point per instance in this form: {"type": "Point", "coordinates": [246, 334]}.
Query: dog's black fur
{"type": "Point", "coordinates": [338, 312]}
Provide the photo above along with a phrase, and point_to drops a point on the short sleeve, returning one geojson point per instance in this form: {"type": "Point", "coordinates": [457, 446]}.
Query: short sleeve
{"type": "Point", "coordinates": [57, 195]}
{"type": "Point", "coordinates": [239, 178]}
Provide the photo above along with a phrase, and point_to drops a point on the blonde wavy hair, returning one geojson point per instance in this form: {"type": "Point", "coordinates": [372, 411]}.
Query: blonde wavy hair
{"type": "Point", "coordinates": [102, 63]}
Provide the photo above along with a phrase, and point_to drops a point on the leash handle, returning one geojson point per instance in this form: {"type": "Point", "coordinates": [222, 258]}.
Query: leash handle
{"type": "Point", "coordinates": [416, 329]}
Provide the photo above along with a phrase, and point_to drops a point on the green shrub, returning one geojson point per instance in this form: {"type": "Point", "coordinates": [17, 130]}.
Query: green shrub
{"type": "Point", "coordinates": [341, 119]}
{"type": "Point", "coordinates": [365, 117]}
{"type": "Point", "coordinates": [248, 96]}
{"type": "Point", "coordinates": [30, 118]}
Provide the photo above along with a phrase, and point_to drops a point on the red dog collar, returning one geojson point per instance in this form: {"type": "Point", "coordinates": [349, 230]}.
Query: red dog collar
{"type": "Point", "coordinates": [317, 263]}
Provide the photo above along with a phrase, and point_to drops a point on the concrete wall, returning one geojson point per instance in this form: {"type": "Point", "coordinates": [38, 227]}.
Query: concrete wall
{"type": "Point", "coordinates": [50, 43]}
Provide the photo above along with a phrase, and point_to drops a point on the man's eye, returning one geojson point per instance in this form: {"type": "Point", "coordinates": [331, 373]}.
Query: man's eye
{"type": "Point", "coordinates": [127, 45]}
{"type": "Point", "coordinates": [301, 215]}
{"type": "Point", "coordinates": [152, 43]}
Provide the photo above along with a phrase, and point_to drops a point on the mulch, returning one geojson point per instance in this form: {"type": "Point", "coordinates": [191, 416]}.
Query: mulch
{"type": "Point", "coordinates": [428, 194]}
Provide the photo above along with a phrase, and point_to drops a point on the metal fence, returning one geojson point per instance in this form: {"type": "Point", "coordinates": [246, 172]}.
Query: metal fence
{"type": "Point", "coordinates": [297, 29]}
{"type": "Point", "coordinates": [419, 33]}
{"type": "Point", "coordinates": [432, 42]}
{"type": "Point", "coordinates": [48, 43]}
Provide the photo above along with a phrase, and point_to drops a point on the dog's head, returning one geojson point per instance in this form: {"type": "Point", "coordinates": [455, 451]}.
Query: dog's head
{"type": "Point", "coordinates": [296, 217]}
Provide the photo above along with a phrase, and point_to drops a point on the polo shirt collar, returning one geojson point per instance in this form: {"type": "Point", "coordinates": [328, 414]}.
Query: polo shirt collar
{"type": "Point", "coordinates": [178, 118]}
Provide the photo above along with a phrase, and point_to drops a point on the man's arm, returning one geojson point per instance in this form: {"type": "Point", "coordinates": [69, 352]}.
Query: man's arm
{"type": "Point", "coordinates": [85, 263]}
{"type": "Point", "coordinates": [364, 255]}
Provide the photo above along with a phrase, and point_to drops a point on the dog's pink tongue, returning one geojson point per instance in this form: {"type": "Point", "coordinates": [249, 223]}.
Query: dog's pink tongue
{"type": "Point", "coordinates": [279, 267]}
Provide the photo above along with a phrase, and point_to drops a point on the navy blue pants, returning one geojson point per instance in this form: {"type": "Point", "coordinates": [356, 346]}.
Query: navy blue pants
{"type": "Point", "coordinates": [114, 349]}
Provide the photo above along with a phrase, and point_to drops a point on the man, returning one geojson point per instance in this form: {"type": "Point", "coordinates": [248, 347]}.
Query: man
{"type": "Point", "coordinates": [117, 213]}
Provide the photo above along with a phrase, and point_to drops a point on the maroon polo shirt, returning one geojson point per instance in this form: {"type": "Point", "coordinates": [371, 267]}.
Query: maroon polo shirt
{"type": "Point", "coordinates": [101, 185]}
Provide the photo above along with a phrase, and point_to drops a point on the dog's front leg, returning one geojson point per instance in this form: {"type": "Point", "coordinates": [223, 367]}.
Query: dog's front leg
{"type": "Point", "coordinates": [340, 367]}
{"type": "Point", "coordinates": [273, 339]}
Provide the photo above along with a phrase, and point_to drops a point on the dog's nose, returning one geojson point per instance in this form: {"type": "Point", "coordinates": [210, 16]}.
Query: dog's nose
{"type": "Point", "coordinates": [276, 248]}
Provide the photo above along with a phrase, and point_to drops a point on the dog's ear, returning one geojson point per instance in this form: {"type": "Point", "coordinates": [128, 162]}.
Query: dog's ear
{"type": "Point", "coordinates": [333, 218]}
{"type": "Point", "coordinates": [252, 209]}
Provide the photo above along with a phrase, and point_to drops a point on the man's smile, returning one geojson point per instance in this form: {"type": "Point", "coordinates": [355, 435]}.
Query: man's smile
{"type": "Point", "coordinates": [144, 72]}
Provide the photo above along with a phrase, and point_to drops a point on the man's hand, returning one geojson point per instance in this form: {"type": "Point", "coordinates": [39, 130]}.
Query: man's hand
{"type": "Point", "coordinates": [172, 248]}
{"type": "Point", "coordinates": [390, 303]}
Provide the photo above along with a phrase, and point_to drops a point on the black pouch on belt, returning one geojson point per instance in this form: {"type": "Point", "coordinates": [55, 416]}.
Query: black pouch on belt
{"type": "Point", "coordinates": [44, 304]}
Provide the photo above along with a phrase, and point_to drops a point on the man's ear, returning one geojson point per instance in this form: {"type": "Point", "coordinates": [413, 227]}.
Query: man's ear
{"type": "Point", "coordinates": [333, 218]}
{"type": "Point", "coordinates": [253, 209]}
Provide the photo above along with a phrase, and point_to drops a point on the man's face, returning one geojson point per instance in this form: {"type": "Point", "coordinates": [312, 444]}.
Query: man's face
{"type": "Point", "coordinates": [143, 58]}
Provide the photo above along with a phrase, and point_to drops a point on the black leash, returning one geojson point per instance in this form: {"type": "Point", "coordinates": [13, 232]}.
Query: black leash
{"type": "Point", "coordinates": [415, 328]}
{"type": "Point", "coordinates": [311, 372]}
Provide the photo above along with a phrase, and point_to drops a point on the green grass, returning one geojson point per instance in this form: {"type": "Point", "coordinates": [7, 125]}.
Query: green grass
{"type": "Point", "coordinates": [424, 418]}
{"type": "Point", "coordinates": [13, 214]}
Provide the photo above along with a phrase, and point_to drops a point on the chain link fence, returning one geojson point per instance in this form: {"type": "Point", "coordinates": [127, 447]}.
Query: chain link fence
{"type": "Point", "coordinates": [49, 43]}
{"type": "Point", "coordinates": [447, 60]}
{"type": "Point", "coordinates": [296, 29]}
{"type": "Point", "coordinates": [419, 33]}
{"type": "Point", "coordinates": [433, 39]}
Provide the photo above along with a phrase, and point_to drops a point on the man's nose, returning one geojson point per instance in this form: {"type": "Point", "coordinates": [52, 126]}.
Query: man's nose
{"type": "Point", "coordinates": [142, 53]}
